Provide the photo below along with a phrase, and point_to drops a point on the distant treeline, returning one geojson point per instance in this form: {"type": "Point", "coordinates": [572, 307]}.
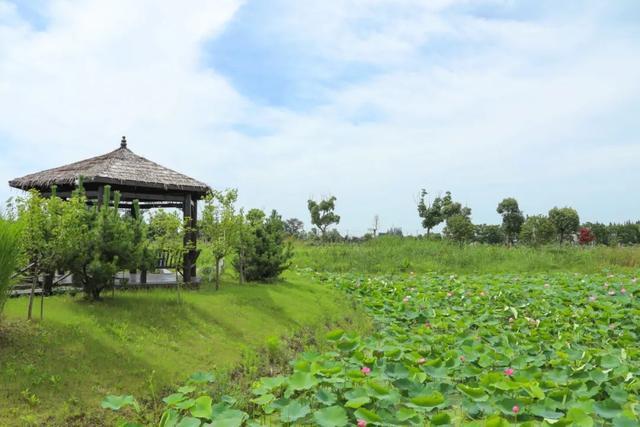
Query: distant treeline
{"type": "Point", "coordinates": [561, 225]}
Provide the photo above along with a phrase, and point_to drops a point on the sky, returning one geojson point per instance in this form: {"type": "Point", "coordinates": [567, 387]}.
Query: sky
{"type": "Point", "coordinates": [366, 100]}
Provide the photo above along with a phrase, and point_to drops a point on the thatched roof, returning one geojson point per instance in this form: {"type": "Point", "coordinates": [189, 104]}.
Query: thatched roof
{"type": "Point", "coordinates": [119, 167]}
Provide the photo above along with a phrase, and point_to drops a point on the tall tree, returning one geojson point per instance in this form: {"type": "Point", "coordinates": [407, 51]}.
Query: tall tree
{"type": "Point", "coordinates": [322, 214]}
{"type": "Point", "coordinates": [220, 226]}
{"type": "Point", "coordinates": [430, 212]}
{"type": "Point", "coordinates": [512, 218]}
{"type": "Point", "coordinates": [565, 220]}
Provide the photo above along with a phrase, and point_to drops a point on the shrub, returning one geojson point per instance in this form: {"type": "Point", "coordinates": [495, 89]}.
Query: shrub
{"type": "Point", "coordinates": [263, 252]}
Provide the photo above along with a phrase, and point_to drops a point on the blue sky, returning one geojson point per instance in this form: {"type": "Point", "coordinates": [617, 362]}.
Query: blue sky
{"type": "Point", "coordinates": [366, 100]}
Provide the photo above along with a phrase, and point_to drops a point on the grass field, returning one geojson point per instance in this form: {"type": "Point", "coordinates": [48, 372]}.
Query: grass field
{"type": "Point", "coordinates": [397, 255]}
{"type": "Point", "coordinates": [57, 371]}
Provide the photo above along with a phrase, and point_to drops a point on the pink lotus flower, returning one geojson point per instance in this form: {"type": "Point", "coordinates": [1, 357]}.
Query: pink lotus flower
{"type": "Point", "coordinates": [515, 409]}
{"type": "Point", "coordinates": [462, 358]}
{"type": "Point", "coordinates": [362, 423]}
{"type": "Point", "coordinates": [449, 294]}
{"type": "Point", "coordinates": [508, 372]}
{"type": "Point", "coordinates": [365, 370]}
{"type": "Point", "coordinates": [422, 361]}
{"type": "Point", "coordinates": [623, 291]}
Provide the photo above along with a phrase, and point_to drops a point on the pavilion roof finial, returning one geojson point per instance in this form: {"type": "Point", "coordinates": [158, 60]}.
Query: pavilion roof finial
{"type": "Point", "coordinates": [123, 143]}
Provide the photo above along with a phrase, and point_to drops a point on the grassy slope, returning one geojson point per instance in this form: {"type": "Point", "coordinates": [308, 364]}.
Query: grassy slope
{"type": "Point", "coordinates": [83, 351]}
{"type": "Point", "coordinates": [394, 255]}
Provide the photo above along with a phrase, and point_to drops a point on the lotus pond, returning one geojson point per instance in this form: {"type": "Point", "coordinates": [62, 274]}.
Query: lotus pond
{"type": "Point", "coordinates": [487, 350]}
{"type": "Point", "coordinates": [496, 350]}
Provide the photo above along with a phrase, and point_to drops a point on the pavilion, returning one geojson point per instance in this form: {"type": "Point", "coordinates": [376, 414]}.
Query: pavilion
{"type": "Point", "coordinates": [136, 178]}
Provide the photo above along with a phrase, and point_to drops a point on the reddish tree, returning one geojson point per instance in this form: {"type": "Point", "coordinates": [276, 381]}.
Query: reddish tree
{"type": "Point", "coordinates": [585, 236]}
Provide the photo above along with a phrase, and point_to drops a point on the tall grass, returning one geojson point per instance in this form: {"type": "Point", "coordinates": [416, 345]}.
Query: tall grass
{"type": "Point", "coordinates": [9, 252]}
{"type": "Point", "coordinates": [396, 255]}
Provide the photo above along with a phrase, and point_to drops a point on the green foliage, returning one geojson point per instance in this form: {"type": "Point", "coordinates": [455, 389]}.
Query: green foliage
{"type": "Point", "coordinates": [473, 350]}
{"type": "Point", "coordinates": [322, 213]}
{"type": "Point", "coordinates": [221, 226]}
{"type": "Point", "coordinates": [431, 213]}
{"type": "Point", "coordinates": [85, 350]}
{"type": "Point", "coordinates": [565, 220]}
{"type": "Point", "coordinates": [100, 241]}
{"type": "Point", "coordinates": [489, 234]}
{"type": "Point", "coordinates": [459, 229]}
{"type": "Point", "coordinates": [166, 230]}
{"type": "Point", "coordinates": [537, 230]}
{"type": "Point", "coordinates": [451, 208]}
{"type": "Point", "coordinates": [294, 228]}
{"type": "Point", "coordinates": [512, 218]}
{"type": "Point", "coordinates": [10, 235]}
{"type": "Point", "coordinates": [263, 250]}
{"type": "Point", "coordinates": [600, 232]}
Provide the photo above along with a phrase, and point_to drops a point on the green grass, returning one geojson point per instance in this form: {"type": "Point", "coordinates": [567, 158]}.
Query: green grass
{"type": "Point", "coordinates": [137, 342]}
{"type": "Point", "coordinates": [396, 255]}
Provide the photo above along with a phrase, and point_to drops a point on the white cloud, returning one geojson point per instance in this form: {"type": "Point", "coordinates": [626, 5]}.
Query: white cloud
{"type": "Point", "coordinates": [503, 110]}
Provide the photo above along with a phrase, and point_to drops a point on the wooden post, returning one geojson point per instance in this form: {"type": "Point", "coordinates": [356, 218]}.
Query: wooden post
{"type": "Point", "coordinates": [187, 211]}
{"type": "Point", "coordinates": [133, 215]}
{"type": "Point", "coordinates": [194, 237]}
{"type": "Point", "coordinates": [100, 195]}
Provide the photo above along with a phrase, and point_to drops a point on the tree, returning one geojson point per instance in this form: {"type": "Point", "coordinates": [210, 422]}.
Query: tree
{"type": "Point", "coordinates": [98, 241]}
{"type": "Point", "coordinates": [625, 234]}
{"type": "Point", "coordinates": [489, 234]}
{"type": "Point", "coordinates": [294, 228]}
{"type": "Point", "coordinates": [601, 232]}
{"type": "Point", "coordinates": [40, 220]}
{"type": "Point", "coordinates": [451, 208]}
{"type": "Point", "coordinates": [165, 231]}
{"type": "Point", "coordinates": [220, 226]}
{"type": "Point", "coordinates": [322, 214]}
{"type": "Point", "coordinates": [10, 235]}
{"type": "Point", "coordinates": [431, 213]}
{"type": "Point", "coordinates": [585, 236]}
{"type": "Point", "coordinates": [459, 228]}
{"type": "Point", "coordinates": [512, 218]}
{"type": "Point", "coordinates": [565, 220]}
{"type": "Point", "coordinates": [537, 230]}
{"type": "Point", "coordinates": [263, 250]}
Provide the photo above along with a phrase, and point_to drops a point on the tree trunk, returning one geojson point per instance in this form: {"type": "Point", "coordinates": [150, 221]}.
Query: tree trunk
{"type": "Point", "coordinates": [241, 265]}
{"type": "Point", "coordinates": [217, 273]}
{"type": "Point", "coordinates": [34, 283]}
